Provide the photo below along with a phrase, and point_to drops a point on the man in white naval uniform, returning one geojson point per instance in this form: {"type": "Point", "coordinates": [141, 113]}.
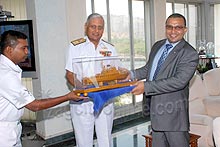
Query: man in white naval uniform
{"type": "Point", "coordinates": [83, 117]}
{"type": "Point", "coordinates": [13, 95]}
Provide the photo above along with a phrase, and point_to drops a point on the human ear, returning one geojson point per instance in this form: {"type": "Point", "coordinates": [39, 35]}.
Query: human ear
{"type": "Point", "coordinates": [8, 50]}
{"type": "Point", "coordinates": [185, 29]}
{"type": "Point", "coordinates": [85, 28]}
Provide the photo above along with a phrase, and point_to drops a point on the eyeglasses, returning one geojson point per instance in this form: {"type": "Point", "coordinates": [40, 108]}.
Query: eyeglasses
{"type": "Point", "coordinates": [93, 27]}
{"type": "Point", "coordinates": [177, 28]}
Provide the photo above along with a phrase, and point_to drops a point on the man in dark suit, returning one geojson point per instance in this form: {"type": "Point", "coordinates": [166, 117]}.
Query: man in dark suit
{"type": "Point", "coordinates": [167, 73]}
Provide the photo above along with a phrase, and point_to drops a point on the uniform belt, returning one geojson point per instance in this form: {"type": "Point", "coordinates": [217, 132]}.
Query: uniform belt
{"type": "Point", "coordinates": [6, 123]}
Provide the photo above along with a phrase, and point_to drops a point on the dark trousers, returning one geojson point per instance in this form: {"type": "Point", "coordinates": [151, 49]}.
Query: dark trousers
{"type": "Point", "coordinates": [146, 105]}
{"type": "Point", "coordinates": [170, 139]}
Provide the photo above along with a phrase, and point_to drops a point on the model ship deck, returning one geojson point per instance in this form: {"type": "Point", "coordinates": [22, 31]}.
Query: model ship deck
{"type": "Point", "coordinates": [107, 75]}
{"type": "Point", "coordinates": [108, 79]}
{"type": "Point", "coordinates": [104, 87]}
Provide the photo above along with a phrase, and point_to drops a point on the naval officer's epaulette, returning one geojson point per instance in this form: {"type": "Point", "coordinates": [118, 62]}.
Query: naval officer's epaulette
{"type": "Point", "coordinates": [107, 42]}
{"type": "Point", "coordinates": [78, 41]}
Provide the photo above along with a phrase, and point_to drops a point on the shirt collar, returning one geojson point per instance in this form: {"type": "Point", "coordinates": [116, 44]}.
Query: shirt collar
{"type": "Point", "coordinates": [173, 44]}
{"type": "Point", "coordinates": [11, 64]}
{"type": "Point", "coordinates": [88, 41]}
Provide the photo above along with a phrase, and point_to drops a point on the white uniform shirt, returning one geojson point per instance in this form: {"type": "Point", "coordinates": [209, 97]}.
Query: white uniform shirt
{"type": "Point", "coordinates": [13, 95]}
{"type": "Point", "coordinates": [80, 58]}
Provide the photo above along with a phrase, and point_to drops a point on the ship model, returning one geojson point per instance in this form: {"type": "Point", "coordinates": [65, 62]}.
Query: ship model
{"type": "Point", "coordinates": [109, 78]}
{"type": "Point", "coordinates": [108, 75]}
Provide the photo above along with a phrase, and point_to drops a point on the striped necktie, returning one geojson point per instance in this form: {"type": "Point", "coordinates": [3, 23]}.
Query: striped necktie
{"type": "Point", "coordinates": [162, 59]}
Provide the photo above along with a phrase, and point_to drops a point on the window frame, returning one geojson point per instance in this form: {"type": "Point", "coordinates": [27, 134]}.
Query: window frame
{"type": "Point", "coordinates": [134, 106]}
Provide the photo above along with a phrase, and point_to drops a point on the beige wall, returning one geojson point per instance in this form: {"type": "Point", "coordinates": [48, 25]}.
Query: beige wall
{"type": "Point", "coordinates": [17, 7]}
{"type": "Point", "coordinates": [76, 17]}
{"type": "Point", "coordinates": [159, 11]}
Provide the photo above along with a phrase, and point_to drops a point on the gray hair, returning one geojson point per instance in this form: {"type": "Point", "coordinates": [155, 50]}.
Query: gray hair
{"type": "Point", "coordinates": [94, 15]}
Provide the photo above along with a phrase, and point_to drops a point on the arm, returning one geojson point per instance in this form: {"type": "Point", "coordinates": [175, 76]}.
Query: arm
{"type": "Point", "coordinates": [179, 70]}
{"type": "Point", "coordinates": [71, 78]}
{"type": "Point", "coordinates": [141, 73]}
{"type": "Point", "coordinates": [41, 104]}
{"type": "Point", "coordinates": [177, 74]}
{"type": "Point", "coordinates": [144, 72]}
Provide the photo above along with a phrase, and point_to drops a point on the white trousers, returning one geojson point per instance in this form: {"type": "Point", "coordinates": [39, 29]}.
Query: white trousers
{"type": "Point", "coordinates": [84, 121]}
{"type": "Point", "coordinates": [216, 131]}
{"type": "Point", "coordinates": [10, 133]}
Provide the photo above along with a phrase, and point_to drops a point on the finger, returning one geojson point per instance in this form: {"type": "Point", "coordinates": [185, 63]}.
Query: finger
{"type": "Point", "coordinates": [84, 97]}
{"type": "Point", "coordinates": [134, 90]}
{"type": "Point", "coordinates": [136, 83]}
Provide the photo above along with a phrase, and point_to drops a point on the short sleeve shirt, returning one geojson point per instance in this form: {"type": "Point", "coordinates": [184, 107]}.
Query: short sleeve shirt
{"type": "Point", "coordinates": [80, 58]}
{"type": "Point", "coordinates": [13, 95]}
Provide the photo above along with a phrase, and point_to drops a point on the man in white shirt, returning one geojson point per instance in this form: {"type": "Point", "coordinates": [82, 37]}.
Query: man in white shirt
{"type": "Point", "coordinates": [13, 95]}
{"type": "Point", "coordinates": [83, 118]}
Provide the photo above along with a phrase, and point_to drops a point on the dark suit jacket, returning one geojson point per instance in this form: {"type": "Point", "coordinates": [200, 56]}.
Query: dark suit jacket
{"type": "Point", "coordinates": [170, 90]}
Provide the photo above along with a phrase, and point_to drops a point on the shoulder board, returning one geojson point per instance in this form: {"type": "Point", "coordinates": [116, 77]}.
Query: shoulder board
{"type": "Point", "coordinates": [78, 41]}
{"type": "Point", "coordinates": [107, 42]}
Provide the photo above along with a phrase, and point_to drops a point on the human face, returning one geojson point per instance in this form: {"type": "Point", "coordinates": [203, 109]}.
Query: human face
{"type": "Point", "coordinates": [20, 52]}
{"type": "Point", "coordinates": [175, 29]}
{"type": "Point", "coordinates": [94, 29]}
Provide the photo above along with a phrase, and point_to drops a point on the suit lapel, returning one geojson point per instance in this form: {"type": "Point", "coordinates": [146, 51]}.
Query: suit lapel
{"type": "Point", "coordinates": [173, 53]}
{"type": "Point", "coordinates": [169, 58]}
{"type": "Point", "coordinates": [154, 51]}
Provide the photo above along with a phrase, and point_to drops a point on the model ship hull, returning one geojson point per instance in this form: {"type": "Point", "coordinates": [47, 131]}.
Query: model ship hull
{"type": "Point", "coordinates": [85, 92]}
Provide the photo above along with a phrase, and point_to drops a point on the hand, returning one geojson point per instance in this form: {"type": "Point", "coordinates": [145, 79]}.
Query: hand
{"type": "Point", "coordinates": [139, 88]}
{"type": "Point", "coordinates": [126, 79]}
{"type": "Point", "coordinates": [124, 70]}
{"type": "Point", "coordinates": [72, 96]}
